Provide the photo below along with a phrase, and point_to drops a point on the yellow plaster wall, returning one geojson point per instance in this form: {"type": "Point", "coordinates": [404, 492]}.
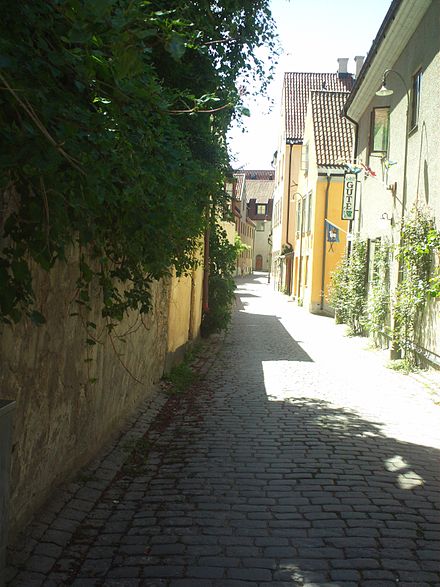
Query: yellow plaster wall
{"type": "Point", "coordinates": [332, 258]}
{"type": "Point", "coordinates": [229, 228]}
{"type": "Point", "coordinates": [294, 173]}
{"type": "Point", "coordinates": [281, 197]}
{"type": "Point", "coordinates": [185, 310]}
{"type": "Point", "coordinates": [179, 312]}
{"type": "Point", "coordinates": [196, 303]}
{"type": "Point", "coordinates": [72, 398]}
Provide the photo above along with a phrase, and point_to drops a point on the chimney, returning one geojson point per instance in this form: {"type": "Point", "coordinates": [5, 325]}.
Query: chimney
{"type": "Point", "coordinates": [342, 70]}
{"type": "Point", "coordinates": [359, 59]}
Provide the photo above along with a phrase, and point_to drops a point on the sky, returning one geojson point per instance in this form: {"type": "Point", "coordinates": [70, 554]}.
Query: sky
{"type": "Point", "coordinates": [313, 34]}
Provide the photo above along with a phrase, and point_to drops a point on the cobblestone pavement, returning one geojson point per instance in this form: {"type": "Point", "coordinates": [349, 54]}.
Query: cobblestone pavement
{"type": "Point", "coordinates": [298, 460]}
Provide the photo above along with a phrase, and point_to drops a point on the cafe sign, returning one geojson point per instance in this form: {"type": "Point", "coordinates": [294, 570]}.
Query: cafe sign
{"type": "Point", "coordinates": [349, 196]}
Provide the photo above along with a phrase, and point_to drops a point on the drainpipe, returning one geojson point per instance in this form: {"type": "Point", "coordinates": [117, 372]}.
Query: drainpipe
{"type": "Point", "coordinates": [324, 243]}
{"type": "Point", "coordinates": [300, 249]}
{"type": "Point", "coordinates": [288, 216]}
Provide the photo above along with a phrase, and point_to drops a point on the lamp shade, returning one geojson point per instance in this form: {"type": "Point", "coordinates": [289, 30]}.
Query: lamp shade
{"type": "Point", "coordinates": [384, 91]}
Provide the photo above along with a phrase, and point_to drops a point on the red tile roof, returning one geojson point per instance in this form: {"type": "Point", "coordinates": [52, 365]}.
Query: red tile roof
{"type": "Point", "coordinates": [260, 184]}
{"type": "Point", "coordinates": [296, 90]}
{"type": "Point", "coordinates": [332, 132]}
{"type": "Point", "coordinates": [260, 174]}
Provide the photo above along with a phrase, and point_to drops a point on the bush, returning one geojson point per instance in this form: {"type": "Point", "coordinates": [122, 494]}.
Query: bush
{"type": "Point", "coordinates": [348, 292]}
{"type": "Point", "coordinates": [223, 258]}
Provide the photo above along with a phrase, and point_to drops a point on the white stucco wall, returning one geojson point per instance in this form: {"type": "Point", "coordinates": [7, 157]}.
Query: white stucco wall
{"type": "Point", "coordinates": [420, 147]}
{"type": "Point", "coordinates": [261, 245]}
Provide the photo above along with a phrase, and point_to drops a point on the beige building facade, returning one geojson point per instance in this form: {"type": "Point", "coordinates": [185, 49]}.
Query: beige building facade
{"type": "Point", "coordinates": [244, 226]}
{"type": "Point", "coordinates": [259, 191]}
{"type": "Point", "coordinates": [398, 136]}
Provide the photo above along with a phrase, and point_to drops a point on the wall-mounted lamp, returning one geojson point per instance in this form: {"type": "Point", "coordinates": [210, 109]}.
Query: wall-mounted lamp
{"type": "Point", "coordinates": [384, 91]}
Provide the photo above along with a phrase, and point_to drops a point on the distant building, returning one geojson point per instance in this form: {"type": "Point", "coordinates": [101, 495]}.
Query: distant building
{"type": "Point", "coordinates": [244, 226]}
{"type": "Point", "coordinates": [287, 161]}
{"type": "Point", "coordinates": [259, 192]}
{"type": "Point", "coordinates": [321, 234]}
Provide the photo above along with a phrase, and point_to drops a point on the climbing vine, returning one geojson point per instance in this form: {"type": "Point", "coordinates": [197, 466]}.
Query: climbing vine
{"type": "Point", "coordinates": [419, 244]}
{"type": "Point", "coordinates": [338, 291]}
{"type": "Point", "coordinates": [348, 292]}
{"type": "Point", "coordinates": [378, 307]}
{"type": "Point", "coordinates": [223, 258]}
{"type": "Point", "coordinates": [418, 254]}
{"type": "Point", "coordinates": [113, 118]}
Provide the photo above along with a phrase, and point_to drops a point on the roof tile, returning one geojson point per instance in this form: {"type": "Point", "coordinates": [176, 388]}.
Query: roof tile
{"type": "Point", "coordinates": [332, 132]}
{"type": "Point", "coordinates": [297, 88]}
{"type": "Point", "coordinates": [260, 183]}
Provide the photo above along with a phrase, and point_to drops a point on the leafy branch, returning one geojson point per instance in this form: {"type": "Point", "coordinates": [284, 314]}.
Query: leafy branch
{"type": "Point", "coordinates": [94, 145]}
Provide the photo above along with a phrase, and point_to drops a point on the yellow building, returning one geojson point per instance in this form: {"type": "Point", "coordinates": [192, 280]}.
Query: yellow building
{"type": "Point", "coordinates": [297, 87]}
{"type": "Point", "coordinates": [244, 226]}
{"type": "Point", "coordinates": [321, 234]}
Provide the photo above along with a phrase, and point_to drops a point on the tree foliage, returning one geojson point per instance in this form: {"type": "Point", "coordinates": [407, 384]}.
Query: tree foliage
{"type": "Point", "coordinates": [113, 117]}
{"type": "Point", "coordinates": [222, 267]}
{"type": "Point", "coordinates": [379, 297]}
{"type": "Point", "coordinates": [419, 244]}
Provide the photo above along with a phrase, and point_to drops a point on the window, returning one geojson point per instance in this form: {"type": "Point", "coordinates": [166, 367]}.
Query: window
{"type": "Point", "coordinates": [305, 158]}
{"type": "Point", "coordinates": [306, 271]}
{"type": "Point", "coordinates": [415, 98]}
{"type": "Point", "coordinates": [380, 122]}
{"type": "Point", "coordinates": [261, 209]}
{"type": "Point", "coordinates": [260, 226]}
{"type": "Point", "coordinates": [309, 212]}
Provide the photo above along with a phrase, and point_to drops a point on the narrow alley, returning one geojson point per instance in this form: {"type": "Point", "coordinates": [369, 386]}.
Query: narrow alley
{"type": "Point", "coordinates": [299, 459]}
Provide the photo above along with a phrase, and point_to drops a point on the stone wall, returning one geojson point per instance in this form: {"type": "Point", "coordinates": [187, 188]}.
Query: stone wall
{"type": "Point", "coordinates": [72, 397]}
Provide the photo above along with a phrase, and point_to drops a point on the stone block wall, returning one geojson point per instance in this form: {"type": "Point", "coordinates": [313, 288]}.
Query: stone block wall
{"type": "Point", "coordinates": [72, 397]}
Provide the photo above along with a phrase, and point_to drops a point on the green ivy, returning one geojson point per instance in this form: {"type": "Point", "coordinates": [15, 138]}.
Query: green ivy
{"type": "Point", "coordinates": [113, 118]}
{"type": "Point", "coordinates": [379, 299]}
{"type": "Point", "coordinates": [418, 254]}
{"type": "Point", "coordinates": [348, 291]}
{"type": "Point", "coordinates": [223, 259]}
{"type": "Point", "coordinates": [338, 291]}
{"type": "Point", "coordinates": [419, 242]}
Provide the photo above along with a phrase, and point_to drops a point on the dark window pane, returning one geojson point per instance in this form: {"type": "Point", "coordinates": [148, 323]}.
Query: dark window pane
{"type": "Point", "coordinates": [415, 98]}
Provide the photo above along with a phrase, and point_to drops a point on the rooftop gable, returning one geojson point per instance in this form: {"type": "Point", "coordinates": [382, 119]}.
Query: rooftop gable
{"type": "Point", "coordinates": [240, 180]}
{"type": "Point", "coordinates": [296, 95]}
{"type": "Point", "coordinates": [333, 134]}
{"type": "Point", "coordinates": [260, 184]}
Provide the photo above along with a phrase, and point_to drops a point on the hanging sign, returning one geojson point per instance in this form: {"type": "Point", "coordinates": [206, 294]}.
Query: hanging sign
{"type": "Point", "coordinates": [349, 196]}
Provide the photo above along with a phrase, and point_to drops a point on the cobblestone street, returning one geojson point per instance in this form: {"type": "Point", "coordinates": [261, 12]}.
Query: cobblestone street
{"type": "Point", "coordinates": [296, 459]}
